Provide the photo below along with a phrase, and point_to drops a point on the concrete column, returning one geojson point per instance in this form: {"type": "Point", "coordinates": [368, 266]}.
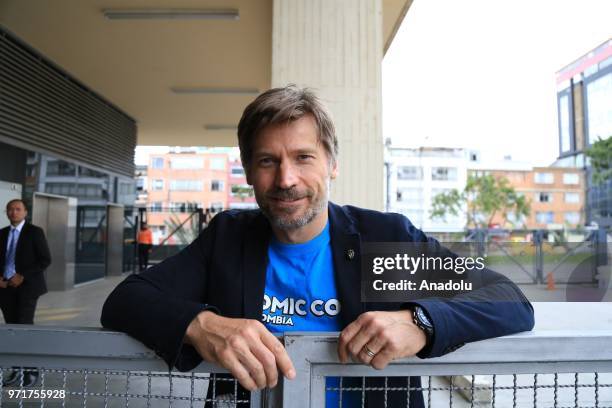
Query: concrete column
{"type": "Point", "coordinates": [336, 47]}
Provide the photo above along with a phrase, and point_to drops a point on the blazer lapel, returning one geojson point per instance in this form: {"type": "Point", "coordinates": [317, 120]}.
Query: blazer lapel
{"type": "Point", "coordinates": [254, 264]}
{"type": "Point", "coordinates": [22, 237]}
{"type": "Point", "coordinates": [346, 250]}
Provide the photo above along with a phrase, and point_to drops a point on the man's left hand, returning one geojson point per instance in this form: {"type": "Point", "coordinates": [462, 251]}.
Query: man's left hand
{"type": "Point", "coordinates": [377, 338]}
{"type": "Point", "coordinates": [16, 281]}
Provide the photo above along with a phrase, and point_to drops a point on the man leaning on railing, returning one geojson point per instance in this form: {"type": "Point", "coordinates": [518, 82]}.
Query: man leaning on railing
{"type": "Point", "coordinates": [297, 261]}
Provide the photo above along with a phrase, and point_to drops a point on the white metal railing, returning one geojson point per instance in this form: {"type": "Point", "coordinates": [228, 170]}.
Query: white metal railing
{"type": "Point", "coordinates": [96, 367]}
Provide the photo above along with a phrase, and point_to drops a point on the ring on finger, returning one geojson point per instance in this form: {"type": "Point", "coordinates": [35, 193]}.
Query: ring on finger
{"type": "Point", "coordinates": [368, 351]}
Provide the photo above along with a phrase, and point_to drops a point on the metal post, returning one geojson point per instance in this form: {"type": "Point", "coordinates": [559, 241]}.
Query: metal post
{"type": "Point", "coordinates": [136, 261]}
{"type": "Point", "coordinates": [600, 247]}
{"type": "Point", "coordinates": [481, 237]}
{"type": "Point", "coordinates": [538, 237]}
{"type": "Point", "coordinates": [200, 220]}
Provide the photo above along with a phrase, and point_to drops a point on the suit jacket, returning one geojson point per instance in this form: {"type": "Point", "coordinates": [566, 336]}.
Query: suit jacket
{"type": "Point", "coordinates": [32, 257]}
{"type": "Point", "coordinates": [224, 269]}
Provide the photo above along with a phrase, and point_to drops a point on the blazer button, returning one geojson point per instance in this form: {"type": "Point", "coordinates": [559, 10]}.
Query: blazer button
{"type": "Point", "coordinates": [350, 254]}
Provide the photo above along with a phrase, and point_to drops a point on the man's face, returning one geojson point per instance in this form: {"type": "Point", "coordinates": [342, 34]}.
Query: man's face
{"type": "Point", "coordinates": [16, 212]}
{"type": "Point", "coordinates": [290, 172]}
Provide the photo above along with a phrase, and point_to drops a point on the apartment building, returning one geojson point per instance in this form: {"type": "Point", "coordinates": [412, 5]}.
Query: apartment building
{"type": "Point", "coordinates": [557, 196]}
{"type": "Point", "coordinates": [584, 103]}
{"type": "Point", "coordinates": [181, 182]}
{"type": "Point", "coordinates": [416, 175]}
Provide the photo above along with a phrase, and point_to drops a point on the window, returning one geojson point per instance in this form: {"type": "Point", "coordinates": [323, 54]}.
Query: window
{"type": "Point", "coordinates": [60, 168]}
{"type": "Point", "coordinates": [157, 185]}
{"type": "Point", "coordinates": [126, 188]}
{"type": "Point", "coordinates": [444, 173]}
{"type": "Point", "coordinates": [186, 185]}
{"type": "Point", "coordinates": [544, 178]}
{"type": "Point", "coordinates": [564, 123]}
{"type": "Point", "coordinates": [155, 207]}
{"type": "Point", "coordinates": [157, 163]}
{"type": "Point", "coordinates": [64, 189]}
{"type": "Point", "coordinates": [216, 185]}
{"type": "Point", "coordinates": [571, 178]}
{"type": "Point", "coordinates": [573, 198]}
{"type": "Point", "coordinates": [409, 195]}
{"type": "Point", "coordinates": [89, 190]}
{"type": "Point", "coordinates": [217, 163]}
{"type": "Point", "coordinates": [599, 116]}
{"type": "Point", "coordinates": [544, 217]}
{"type": "Point", "coordinates": [572, 217]}
{"type": "Point", "coordinates": [237, 172]}
{"type": "Point", "coordinates": [409, 173]}
{"type": "Point", "coordinates": [544, 197]}
{"type": "Point", "coordinates": [87, 172]}
{"type": "Point", "coordinates": [183, 207]}
{"type": "Point", "coordinates": [187, 163]}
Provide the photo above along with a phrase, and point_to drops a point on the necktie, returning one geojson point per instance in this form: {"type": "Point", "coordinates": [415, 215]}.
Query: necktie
{"type": "Point", "coordinates": [9, 265]}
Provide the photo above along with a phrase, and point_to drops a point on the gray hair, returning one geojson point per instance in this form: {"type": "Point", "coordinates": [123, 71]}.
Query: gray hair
{"type": "Point", "coordinates": [284, 105]}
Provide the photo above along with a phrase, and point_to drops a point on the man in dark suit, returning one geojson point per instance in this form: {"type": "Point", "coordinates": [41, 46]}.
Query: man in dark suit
{"type": "Point", "coordinates": [24, 256]}
{"type": "Point", "coordinates": [294, 264]}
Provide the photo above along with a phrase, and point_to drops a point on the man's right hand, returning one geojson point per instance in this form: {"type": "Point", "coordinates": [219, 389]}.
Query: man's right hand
{"type": "Point", "coordinates": [3, 284]}
{"type": "Point", "coordinates": [243, 346]}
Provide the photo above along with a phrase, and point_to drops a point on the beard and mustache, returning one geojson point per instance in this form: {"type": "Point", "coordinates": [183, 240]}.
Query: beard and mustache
{"type": "Point", "coordinates": [283, 217]}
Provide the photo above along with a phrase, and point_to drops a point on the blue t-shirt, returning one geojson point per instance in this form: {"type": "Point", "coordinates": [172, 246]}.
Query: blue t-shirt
{"type": "Point", "coordinates": [301, 295]}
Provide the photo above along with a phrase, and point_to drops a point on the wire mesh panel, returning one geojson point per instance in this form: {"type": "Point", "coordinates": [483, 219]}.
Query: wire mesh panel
{"type": "Point", "coordinates": [95, 388]}
{"type": "Point", "coordinates": [98, 368]}
{"type": "Point", "coordinates": [556, 390]}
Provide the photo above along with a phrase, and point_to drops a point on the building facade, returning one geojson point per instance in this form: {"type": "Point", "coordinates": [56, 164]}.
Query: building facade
{"type": "Point", "coordinates": [183, 181]}
{"type": "Point", "coordinates": [556, 196]}
{"type": "Point", "coordinates": [416, 175]}
{"type": "Point", "coordinates": [59, 138]}
{"type": "Point", "coordinates": [584, 103]}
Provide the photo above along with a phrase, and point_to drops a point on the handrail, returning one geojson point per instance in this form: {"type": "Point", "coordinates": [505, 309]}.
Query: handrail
{"type": "Point", "coordinates": [79, 348]}
{"type": "Point", "coordinates": [314, 356]}
{"type": "Point", "coordinates": [82, 347]}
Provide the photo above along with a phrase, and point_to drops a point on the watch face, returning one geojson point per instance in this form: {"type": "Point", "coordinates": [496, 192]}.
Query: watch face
{"type": "Point", "coordinates": [422, 317]}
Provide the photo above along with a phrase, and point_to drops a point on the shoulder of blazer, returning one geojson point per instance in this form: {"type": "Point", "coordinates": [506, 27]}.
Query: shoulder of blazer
{"type": "Point", "coordinates": [31, 230]}
{"type": "Point", "coordinates": [375, 225]}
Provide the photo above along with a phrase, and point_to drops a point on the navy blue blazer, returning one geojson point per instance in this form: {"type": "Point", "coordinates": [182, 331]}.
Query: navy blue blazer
{"type": "Point", "coordinates": [225, 267]}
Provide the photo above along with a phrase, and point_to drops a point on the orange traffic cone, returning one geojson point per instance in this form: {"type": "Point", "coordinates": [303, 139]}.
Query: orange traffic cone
{"type": "Point", "coordinates": [550, 281]}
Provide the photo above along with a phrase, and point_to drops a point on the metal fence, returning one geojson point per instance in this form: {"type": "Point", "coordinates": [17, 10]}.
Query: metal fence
{"type": "Point", "coordinates": [98, 368]}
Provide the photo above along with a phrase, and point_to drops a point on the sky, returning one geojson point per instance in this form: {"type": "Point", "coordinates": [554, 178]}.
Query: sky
{"type": "Point", "coordinates": [480, 74]}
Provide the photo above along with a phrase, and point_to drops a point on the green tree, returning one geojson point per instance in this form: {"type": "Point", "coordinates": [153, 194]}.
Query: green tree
{"type": "Point", "coordinates": [484, 197]}
{"type": "Point", "coordinates": [600, 154]}
{"type": "Point", "coordinates": [242, 192]}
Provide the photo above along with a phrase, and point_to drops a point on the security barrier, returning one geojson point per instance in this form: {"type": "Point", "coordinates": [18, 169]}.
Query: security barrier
{"type": "Point", "coordinates": [84, 367]}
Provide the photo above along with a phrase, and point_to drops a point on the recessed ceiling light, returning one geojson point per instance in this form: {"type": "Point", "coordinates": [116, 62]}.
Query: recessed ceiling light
{"type": "Point", "coordinates": [172, 14]}
{"type": "Point", "coordinates": [217, 126]}
{"type": "Point", "coordinates": [207, 90]}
